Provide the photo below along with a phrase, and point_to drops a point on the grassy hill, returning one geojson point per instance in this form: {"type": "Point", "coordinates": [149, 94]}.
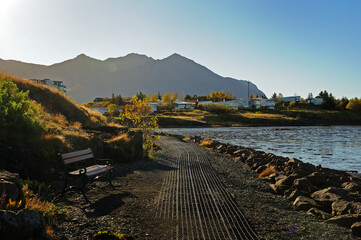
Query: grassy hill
{"type": "Point", "coordinates": [37, 122]}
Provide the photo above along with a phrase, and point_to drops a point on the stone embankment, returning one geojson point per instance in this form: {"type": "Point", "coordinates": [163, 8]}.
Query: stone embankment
{"type": "Point", "coordinates": [332, 195]}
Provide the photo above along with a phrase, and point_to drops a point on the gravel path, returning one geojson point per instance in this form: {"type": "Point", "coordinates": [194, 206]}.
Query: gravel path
{"type": "Point", "coordinates": [188, 193]}
{"type": "Point", "coordinates": [194, 197]}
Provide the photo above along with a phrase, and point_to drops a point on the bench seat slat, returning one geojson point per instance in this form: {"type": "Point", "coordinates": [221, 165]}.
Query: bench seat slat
{"type": "Point", "coordinates": [75, 154]}
{"type": "Point", "coordinates": [77, 159]}
{"type": "Point", "coordinates": [94, 170]}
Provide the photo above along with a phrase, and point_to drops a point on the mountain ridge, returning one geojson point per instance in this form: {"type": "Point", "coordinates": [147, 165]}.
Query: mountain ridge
{"type": "Point", "coordinates": [87, 77]}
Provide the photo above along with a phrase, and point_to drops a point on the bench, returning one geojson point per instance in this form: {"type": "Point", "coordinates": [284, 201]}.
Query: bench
{"type": "Point", "coordinates": [83, 166]}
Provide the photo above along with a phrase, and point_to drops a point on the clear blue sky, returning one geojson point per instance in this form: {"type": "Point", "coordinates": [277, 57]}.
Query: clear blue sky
{"type": "Point", "coordinates": [292, 47]}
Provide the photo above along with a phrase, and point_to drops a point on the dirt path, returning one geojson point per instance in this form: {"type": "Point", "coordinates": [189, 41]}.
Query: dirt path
{"type": "Point", "coordinates": [194, 197]}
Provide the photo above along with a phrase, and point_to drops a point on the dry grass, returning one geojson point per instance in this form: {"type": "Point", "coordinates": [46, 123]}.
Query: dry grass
{"type": "Point", "coordinates": [124, 138]}
{"type": "Point", "coordinates": [268, 171]}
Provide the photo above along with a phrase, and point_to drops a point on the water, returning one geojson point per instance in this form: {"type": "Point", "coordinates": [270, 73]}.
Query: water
{"type": "Point", "coordinates": [337, 147]}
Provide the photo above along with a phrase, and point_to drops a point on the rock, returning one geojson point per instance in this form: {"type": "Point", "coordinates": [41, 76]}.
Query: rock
{"type": "Point", "coordinates": [345, 220]}
{"type": "Point", "coordinates": [261, 169]}
{"type": "Point", "coordinates": [327, 196]}
{"type": "Point", "coordinates": [288, 180]}
{"type": "Point", "coordinates": [304, 184]}
{"type": "Point", "coordinates": [304, 203]}
{"type": "Point", "coordinates": [319, 213]}
{"type": "Point", "coordinates": [10, 184]}
{"type": "Point", "coordinates": [26, 224]}
{"type": "Point", "coordinates": [340, 207]}
{"type": "Point", "coordinates": [292, 195]}
{"type": "Point", "coordinates": [356, 229]}
{"type": "Point", "coordinates": [352, 187]}
{"type": "Point", "coordinates": [317, 179]}
{"type": "Point", "coordinates": [308, 167]}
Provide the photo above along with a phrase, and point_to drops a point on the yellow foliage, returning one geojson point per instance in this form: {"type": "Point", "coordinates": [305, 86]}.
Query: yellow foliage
{"type": "Point", "coordinates": [139, 115]}
{"type": "Point", "coordinates": [206, 142]}
{"type": "Point", "coordinates": [166, 97]}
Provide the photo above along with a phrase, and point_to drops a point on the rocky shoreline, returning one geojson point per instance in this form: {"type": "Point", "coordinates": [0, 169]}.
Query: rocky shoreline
{"type": "Point", "coordinates": [331, 195]}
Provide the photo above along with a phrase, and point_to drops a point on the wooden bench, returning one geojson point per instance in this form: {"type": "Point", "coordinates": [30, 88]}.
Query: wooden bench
{"type": "Point", "coordinates": [84, 166]}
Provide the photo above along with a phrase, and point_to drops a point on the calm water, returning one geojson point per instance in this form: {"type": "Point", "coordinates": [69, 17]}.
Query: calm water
{"type": "Point", "coordinates": [337, 147]}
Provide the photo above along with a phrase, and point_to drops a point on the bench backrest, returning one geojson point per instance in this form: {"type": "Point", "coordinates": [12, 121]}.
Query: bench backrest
{"type": "Point", "coordinates": [77, 156]}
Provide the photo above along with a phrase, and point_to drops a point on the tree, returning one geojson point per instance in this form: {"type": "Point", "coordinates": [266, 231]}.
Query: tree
{"type": "Point", "coordinates": [280, 95]}
{"type": "Point", "coordinates": [188, 98]}
{"type": "Point", "coordinates": [174, 96]}
{"type": "Point", "coordinates": [166, 97]}
{"type": "Point", "coordinates": [328, 100]}
{"type": "Point", "coordinates": [159, 96]}
{"type": "Point", "coordinates": [140, 95]}
{"type": "Point", "coordinates": [343, 103]}
{"type": "Point", "coordinates": [274, 96]}
{"type": "Point", "coordinates": [310, 96]}
{"type": "Point", "coordinates": [153, 97]}
{"type": "Point", "coordinates": [139, 115]}
{"type": "Point", "coordinates": [354, 105]}
{"type": "Point", "coordinates": [112, 108]}
{"type": "Point", "coordinates": [117, 100]}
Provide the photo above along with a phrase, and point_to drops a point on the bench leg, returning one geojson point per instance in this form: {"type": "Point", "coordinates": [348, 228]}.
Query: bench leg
{"type": "Point", "coordinates": [65, 184]}
{"type": "Point", "coordinates": [85, 180]}
{"type": "Point", "coordinates": [110, 182]}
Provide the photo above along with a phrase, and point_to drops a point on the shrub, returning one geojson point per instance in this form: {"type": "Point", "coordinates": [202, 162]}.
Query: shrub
{"type": "Point", "coordinates": [354, 105]}
{"type": "Point", "coordinates": [206, 142]}
{"type": "Point", "coordinates": [292, 104]}
{"type": "Point", "coordinates": [268, 171]}
{"type": "Point", "coordinates": [216, 108]}
{"type": "Point", "coordinates": [19, 116]}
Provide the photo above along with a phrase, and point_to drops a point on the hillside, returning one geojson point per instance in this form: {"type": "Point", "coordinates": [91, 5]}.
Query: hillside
{"type": "Point", "coordinates": [87, 78]}
{"type": "Point", "coordinates": [37, 122]}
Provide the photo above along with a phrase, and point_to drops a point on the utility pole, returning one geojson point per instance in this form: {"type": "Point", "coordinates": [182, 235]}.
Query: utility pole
{"type": "Point", "coordinates": [248, 89]}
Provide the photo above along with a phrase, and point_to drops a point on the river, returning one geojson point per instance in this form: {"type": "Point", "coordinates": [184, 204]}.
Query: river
{"type": "Point", "coordinates": [337, 147]}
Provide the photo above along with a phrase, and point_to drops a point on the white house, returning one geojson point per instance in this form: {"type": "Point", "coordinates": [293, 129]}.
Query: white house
{"type": "Point", "coordinates": [183, 105]}
{"type": "Point", "coordinates": [255, 103]}
{"type": "Point", "coordinates": [153, 106]}
{"type": "Point", "coordinates": [51, 83]}
{"type": "Point", "coordinates": [268, 103]}
{"type": "Point", "coordinates": [243, 103]}
{"type": "Point", "coordinates": [315, 101]}
{"type": "Point", "coordinates": [289, 99]}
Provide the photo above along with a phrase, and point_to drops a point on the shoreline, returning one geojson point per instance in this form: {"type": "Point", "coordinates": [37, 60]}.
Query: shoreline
{"type": "Point", "coordinates": [331, 195]}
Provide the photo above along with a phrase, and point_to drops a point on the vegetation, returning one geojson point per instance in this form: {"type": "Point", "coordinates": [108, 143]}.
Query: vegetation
{"type": "Point", "coordinates": [19, 116]}
{"type": "Point", "coordinates": [139, 115]}
{"type": "Point", "coordinates": [215, 108]}
{"type": "Point", "coordinates": [268, 171]}
{"type": "Point", "coordinates": [354, 105]}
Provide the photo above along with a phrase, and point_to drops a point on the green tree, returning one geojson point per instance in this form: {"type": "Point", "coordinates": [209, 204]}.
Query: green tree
{"type": "Point", "coordinates": [328, 100]}
{"type": "Point", "coordinates": [140, 95]}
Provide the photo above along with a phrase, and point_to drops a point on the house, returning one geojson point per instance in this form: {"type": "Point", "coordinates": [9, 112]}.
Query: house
{"type": "Point", "coordinates": [315, 101]}
{"type": "Point", "coordinates": [183, 105]}
{"type": "Point", "coordinates": [289, 99]}
{"type": "Point", "coordinates": [268, 103]}
{"type": "Point", "coordinates": [51, 83]}
{"type": "Point", "coordinates": [243, 104]}
{"type": "Point", "coordinates": [98, 99]}
{"type": "Point", "coordinates": [255, 103]}
{"type": "Point", "coordinates": [153, 105]}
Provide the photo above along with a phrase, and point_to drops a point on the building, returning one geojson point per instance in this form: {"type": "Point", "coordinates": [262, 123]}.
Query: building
{"type": "Point", "coordinates": [315, 101]}
{"type": "Point", "coordinates": [153, 105]}
{"type": "Point", "coordinates": [289, 99]}
{"type": "Point", "coordinates": [183, 105]}
{"type": "Point", "coordinates": [48, 82]}
{"type": "Point", "coordinates": [268, 103]}
{"type": "Point", "coordinates": [98, 99]}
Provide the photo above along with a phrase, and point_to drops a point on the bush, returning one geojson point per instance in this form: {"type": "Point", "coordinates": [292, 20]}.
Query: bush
{"type": "Point", "coordinates": [354, 105]}
{"type": "Point", "coordinates": [216, 108]}
{"type": "Point", "coordinates": [19, 116]}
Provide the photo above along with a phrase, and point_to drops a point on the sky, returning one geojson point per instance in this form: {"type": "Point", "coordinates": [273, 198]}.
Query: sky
{"type": "Point", "coordinates": [290, 47]}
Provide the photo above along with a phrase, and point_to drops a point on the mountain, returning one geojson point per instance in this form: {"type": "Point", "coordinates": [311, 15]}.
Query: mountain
{"type": "Point", "coordinates": [87, 78]}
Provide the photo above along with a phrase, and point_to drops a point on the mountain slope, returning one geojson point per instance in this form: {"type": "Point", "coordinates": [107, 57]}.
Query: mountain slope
{"type": "Point", "coordinates": [87, 78]}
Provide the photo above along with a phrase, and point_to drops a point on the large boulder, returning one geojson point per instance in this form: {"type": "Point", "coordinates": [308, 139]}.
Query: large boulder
{"type": "Point", "coordinates": [26, 224]}
{"type": "Point", "coordinates": [304, 184]}
{"type": "Point", "coordinates": [352, 187]}
{"type": "Point", "coordinates": [304, 203]}
{"type": "Point", "coordinates": [345, 220]}
{"type": "Point", "coordinates": [11, 186]}
{"type": "Point", "coordinates": [356, 229]}
{"type": "Point", "coordinates": [327, 196]}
